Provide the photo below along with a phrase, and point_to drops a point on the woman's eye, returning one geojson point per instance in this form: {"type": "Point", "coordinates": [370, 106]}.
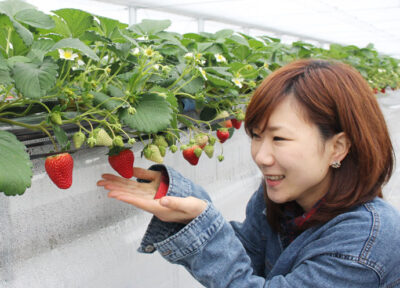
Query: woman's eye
{"type": "Point", "coordinates": [277, 138]}
{"type": "Point", "coordinates": [255, 135]}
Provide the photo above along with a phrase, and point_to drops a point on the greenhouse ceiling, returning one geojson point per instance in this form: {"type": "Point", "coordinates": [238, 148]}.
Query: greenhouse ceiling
{"type": "Point", "coordinates": [357, 22]}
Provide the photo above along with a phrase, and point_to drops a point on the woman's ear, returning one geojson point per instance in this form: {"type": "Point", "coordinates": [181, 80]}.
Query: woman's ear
{"type": "Point", "coordinates": [341, 146]}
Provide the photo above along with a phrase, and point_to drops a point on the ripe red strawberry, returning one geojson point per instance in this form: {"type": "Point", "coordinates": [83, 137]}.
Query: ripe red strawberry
{"type": "Point", "coordinates": [222, 134]}
{"type": "Point", "coordinates": [192, 154]}
{"type": "Point", "coordinates": [59, 168]}
{"type": "Point", "coordinates": [122, 161]}
{"type": "Point", "coordinates": [227, 124]}
{"type": "Point", "coordinates": [383, 90]}
{"type": "Point", "coordinates": [236, 123]}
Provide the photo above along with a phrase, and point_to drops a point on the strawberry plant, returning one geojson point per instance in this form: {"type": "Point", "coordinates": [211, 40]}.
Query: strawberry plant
{"type": "Point", "coordinates": [73, 76]}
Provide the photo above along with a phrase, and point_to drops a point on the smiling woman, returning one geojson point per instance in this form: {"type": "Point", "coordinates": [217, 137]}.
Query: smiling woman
{"type": "Point", "coordinates": [317, 219]}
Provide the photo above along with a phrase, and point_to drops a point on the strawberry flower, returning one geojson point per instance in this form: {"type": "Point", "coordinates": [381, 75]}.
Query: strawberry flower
{"type": "Point", "coordinates": [220, 58]}
{"type": "Point", "coordinates": [238, 81]}
{"type": "Point", "coordinates": [67, 54]}
{"type": "Point", "coordinates": [203, 73]}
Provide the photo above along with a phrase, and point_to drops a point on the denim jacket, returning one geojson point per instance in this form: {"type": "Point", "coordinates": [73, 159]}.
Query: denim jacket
{"type": "Point", "coordinates": [359, 248]}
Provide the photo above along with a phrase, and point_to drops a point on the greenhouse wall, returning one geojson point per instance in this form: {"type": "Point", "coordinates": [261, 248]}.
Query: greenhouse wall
{"type": "Point", "coordinates": [81, 238]}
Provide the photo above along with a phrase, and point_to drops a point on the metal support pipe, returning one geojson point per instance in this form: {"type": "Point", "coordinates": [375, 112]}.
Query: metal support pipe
{"type": "Point", "coordinates": [132, 15]}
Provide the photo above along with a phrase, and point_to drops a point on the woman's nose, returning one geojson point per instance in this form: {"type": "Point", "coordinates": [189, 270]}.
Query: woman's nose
{"type": "Point", "coordinates": [264, 155]}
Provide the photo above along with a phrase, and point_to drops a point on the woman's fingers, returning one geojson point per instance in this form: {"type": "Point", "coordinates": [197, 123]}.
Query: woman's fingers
{"type": "Point", "coordinates": [189, 205]}
{"type": "Point", "coordinates": [145, 174]}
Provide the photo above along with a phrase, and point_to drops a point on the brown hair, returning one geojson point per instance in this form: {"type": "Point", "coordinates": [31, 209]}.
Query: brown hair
{"type": "Point", "coordinates": [336, 98]}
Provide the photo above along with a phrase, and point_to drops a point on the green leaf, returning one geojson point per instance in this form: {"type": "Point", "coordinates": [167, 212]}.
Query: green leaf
{"type": "Point", "coordinates": [106, 101]}
{"type": "Point", "coordinates": [15, 165]}
{"type": "Point", "coordinates": [61, 137]}
{"type": "Point", "coordinates": [241, 52]}
{"type": "Point", "coordinates": [164, 92]}
{"type": "Point", "coordinates": [108, 27]}
{"type": "Point", "coordinates": [201, 47]}
{"type": "Point", "coordinates": [11, 8]}
{"type": "Point", "coordinates": [35, 18]}
{"type": "Point", "coordinates": [18, 59]}
{"type": "Point", "coordinates": [194, 86]}
{"type": "Point", "coordinates": [78, 21]}
{"type": "Point", "coordinates": [40, 48]}
{"type": "Point", "coordinates": [153, 114]}
{"type": "Point", "coordinates": [5, 77]}
{"type": "Point", "coordinates": [76, 44]}
{"type": "Point", "coordinates": [150, 27]}
{"type": "Point", "coordinates": [222, 71]}
{"type": "Point", "coordinates": [218, 81]}
{"type": "Point", "coordinates": [61, 27]}
{"type": "Point", "coordinates": [225, 33]}
{"type": "Point", "coordinates": [238, 39]}
{"type": "Point", "coordinates": [115, 91]}
{"type": "Point", "coordinates": [208, 114]}
{"type": "Point", "coordinates": [34, 80]}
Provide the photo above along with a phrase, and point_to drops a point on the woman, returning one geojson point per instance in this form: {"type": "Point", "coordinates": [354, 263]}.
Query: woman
{"type": "Point", "coordinates": [317, 220]}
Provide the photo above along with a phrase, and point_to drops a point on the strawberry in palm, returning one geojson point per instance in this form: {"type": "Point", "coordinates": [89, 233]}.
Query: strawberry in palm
{"type": "Point", "coordinates": [121, 159]}
{"type": "Point", "coordinates": [59, 168]}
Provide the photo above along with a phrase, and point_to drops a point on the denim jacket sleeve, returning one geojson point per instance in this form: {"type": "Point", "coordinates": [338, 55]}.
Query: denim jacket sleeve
{"type": "Point", "coordinates": [222, 254]}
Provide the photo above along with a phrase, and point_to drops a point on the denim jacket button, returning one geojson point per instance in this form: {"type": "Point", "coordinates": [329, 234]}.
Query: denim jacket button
{"type": "Point", "coordinates": [165, 253]}
{"type": "Point", "coordinates": [149, 248]}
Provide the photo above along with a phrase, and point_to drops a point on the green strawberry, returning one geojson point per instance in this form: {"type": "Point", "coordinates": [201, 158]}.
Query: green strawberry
{"type": "Point", "coordinates": [131, 141]}
{"type": "Point", "coordinates": [102, 137]}
{"type": "Point", "coordinates": [91, 141]}
{"type": "Point", "coordinates": [212, 140]}
{"type": "Point", "coordinates": [55, 117]}
{"type": "Point", "coordinates": [78, 138]}
{"type": "Point", "coordinates": [170, 139]}
{"type": "Point", "coordinates": [173, 148]}
{"type": "Point", "coordinates": [209, 150]}
{"type": "Point", "coordinates": [240, 116]}
{"type": "Point", "coordinates": [221, 158]}
{"type": "Point", "coordinates": [160, 141]}
{"type": "Point", "coordinates": [163, 150]}
{"type": "Point", "coordinates": [152, 153]}
{"type": "Point", "coordinates": [117, 141]}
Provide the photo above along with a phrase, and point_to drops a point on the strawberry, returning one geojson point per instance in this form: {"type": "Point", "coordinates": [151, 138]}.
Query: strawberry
{"type": "Point", "coordinates": [201, 140]}
{"type": "Point", "coordinates": [160, 141]}
{"type": "Point", "coordinates": [59, 168]}
{"type": "Point", "coordinates": [222, 134]}
{"type": "Point", "coordinates": [102, 137]}
{"type": "Point", "coordinates": [78, 138]}
{"type": "Point", "coordinates": [118, 141]}
{"type": "Point", "coordinates": [209, 150]}
{"type": "Point", "coordinates": [383, 90]}
{"type": "Point", "coordinates": [236, 123]}
{"type": "Point", "coordinates": [192, 154]}
{"type": "Point", "coordinates": [227, 124]}
{"type": "Point", "coordinates": [122, 161]}
{"type": "Point", "coordinates": [55, 117]}
{"type": "Point", "coordinates": [152, 153]}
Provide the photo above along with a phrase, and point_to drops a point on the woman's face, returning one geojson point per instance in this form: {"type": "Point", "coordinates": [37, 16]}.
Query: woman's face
{"type": "Point", "coordinates": [292, 156]}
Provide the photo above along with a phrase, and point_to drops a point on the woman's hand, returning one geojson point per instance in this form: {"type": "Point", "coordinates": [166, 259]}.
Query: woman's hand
{"type": "Point", "coordinates": [141, 195]}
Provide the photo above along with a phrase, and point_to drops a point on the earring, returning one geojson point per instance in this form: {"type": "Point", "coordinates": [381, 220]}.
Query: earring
{"type": "Point", "coordinates": [336, 164]}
